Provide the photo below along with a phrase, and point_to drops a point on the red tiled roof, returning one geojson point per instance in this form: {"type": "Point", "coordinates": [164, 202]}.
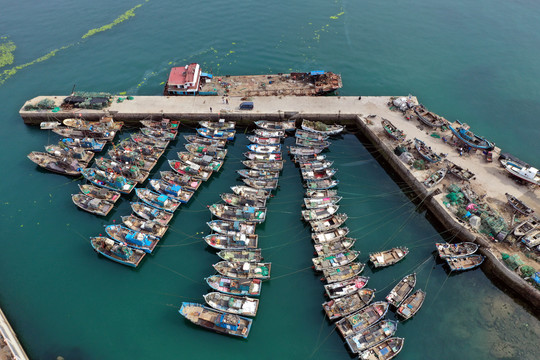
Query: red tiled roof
{"type": "Point", "coordinates": [181, 75]}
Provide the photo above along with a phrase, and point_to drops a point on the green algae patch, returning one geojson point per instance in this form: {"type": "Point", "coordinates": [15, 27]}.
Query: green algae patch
{"type": "Point", "coordinates": [125, 16]}
{"type": "Point", "coordinates": [6, 53]}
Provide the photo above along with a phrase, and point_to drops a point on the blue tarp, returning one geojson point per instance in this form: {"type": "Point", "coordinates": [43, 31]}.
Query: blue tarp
{"type": "Point", "coordinates": [536, 277]}
{"type": "Point", "coordinates": [206, 75]}
{"type": "Point", "coordinates": [162, 198]}
{"type": "Point", "coordinates": [317, 72]}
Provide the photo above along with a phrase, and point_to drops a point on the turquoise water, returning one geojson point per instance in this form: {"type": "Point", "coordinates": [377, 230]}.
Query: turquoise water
{"type": "Point", "coordinates": [475, 62]}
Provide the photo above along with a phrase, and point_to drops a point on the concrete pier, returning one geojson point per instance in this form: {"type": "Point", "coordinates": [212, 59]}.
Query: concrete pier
{"type": "Point", "coordinates": [10, 347]}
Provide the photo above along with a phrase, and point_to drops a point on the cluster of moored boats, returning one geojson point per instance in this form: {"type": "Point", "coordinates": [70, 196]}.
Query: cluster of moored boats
{"type": "Point", "coordinates": [242, 270]}
{"type": "Point", "coordinates": [460, 256]}
{"type": "Point", "coordinates": [141, 231]}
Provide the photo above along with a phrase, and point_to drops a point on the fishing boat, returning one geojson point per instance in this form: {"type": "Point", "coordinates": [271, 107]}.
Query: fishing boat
{"type": "Point", "coordinates": [315, 194]}
{"type": "Point", "coordinates": [241, 287]}
{"type": "Point", "coordinates": [109, 180]}
{"type": "Point", "coordinates": [322, 128]}
{"type": "Point", "coordinates": [213, 151]}
{"type": "Point", "coordinates": [143, 139]}
{"type": "Point", "coordinates": [343, 306]}
{"type": "Point", "coordinates": [232, 213]}
{"type": "Point", "coordinates": [216, 134]}
{"type": "Point", "coordinates": [232, 241]}
{"type": "Point", "coordinates": [92, 205]}
{"type": "Point", "coordinates": [328, 224]}
{"type": "Point", "coordinates": [334, 247]}
{"type": "Point", "coordinates": [301, 159]}
{"type": "Point", "coordinates": [252, 255]}
{"type": "Point", "coordinates": [185, 181]}
{"type": "Point", "coordinates": [531, 239]}
{"type": "Point", "coordinates": [218, 321]}
{"type": "Point", "coordinates": [135, 239]}
{"type": "Point", "coordinates": [86, 144]}
{"type": "Point", "coordinates": [435, 178]}
{"type": "Point", "coordinates": [321, 184]}
{"type": "Point", "coordinates": [410, 306]}
{"type": "Point", "coordinates": [392, 131]}
{"type": "Point", "coordinates": [345, 287]}
{"type": "Point", "coordinates": [159, 134]}
{"type": "Point", "coordinates": [157, 200]}
{"type": "Point", "coordinates": [447, 250]}
{"type": "Point", "coordinates": [468, 137]}
{"type": "Point", "coordinates": [244, 270]}
{"type": "Point", "coordinates": [130, 172]}
{"type": "Point", "coordinates": [82, 156]}
{"type": "Point", "coordinates": [308, 174]}
{"type": "Point", "coordinates": [315, 165]}
{"type": "Point", "coordinates": [526, 173]}
{"type": "Point", "coordinates": [48, 125]}
{"type": "Point", "coordinates": [81, 134]}
{"type": "Point", "coordinates": [249, 192]}
{"type": "Point", "coordinates": [334, 260]}
{"type": "Point", "coordinates": [259, 174]}
{"type": "Point", "coordinates": [250, 155]}
{"type": "Point", "coordinates": [426, 151]}
{"type": "Point", "coordinates": [148, 227]}
{"type": "Point", "coordinates": [191, 169]}
{"type": "Point", "coordinates": [117, 252]}
{"type": "Point", "coordinates": [232, 227]}
{"type": "Point", "coordinates": [361, 320]}
{"type": "Point", "coordinates": [163, 124]}
{"type": "Point", "coordinates": [173, 190]}
{"type": "Point", "coordinates": [303, 150]}
{"type": "Point", "coordinates": [384, 350]}
{"type": "Point", "coordinates": [145, 163]}
{"type": "Point", "coordinates": [288, 125]}
{"type": "Point", "coordinates": [218, 125]}
{"type": "Point", "coordinates": [314, 203]}
{"type": "Point", "coordinates": [202, 160]}
{"type": "Point", "coordinates": [310, 135]}
{"type": "Point", "coordinates": [151, 213]}
{"type": "Point", "coordinates": [99, 193]}
{"type": "Point", "coordinates": [312, 143]}
{"type": "Point", "coordinates": [106, 123]}
{"type": "Point", "coordinates": [195, 139]}
{"type": "Point", "coordinates": [60, 165]}
{"type": "Point", "coordinates": [239, 305]}
{"type": "Point", "coordinates": [526, 227]}
{"type": "Point", "coordinates": [518, 205]}
{"type": "Point", "coordinates": [388, 257]}
{"type": "Point", "coordinates": [261, 140]}
{"type": "Point", "coordinates": [263, 165]}
{"type": "Point", "coordinates": [142, 149]}
{"type": "Point", "coordinates": [265, 149]}
{"type": "Point", "coordinates": [402, 289]}
{"type": "Point", "coordinates": [429, 118]}
{"type": "Point", "coordinates": [319, 213]}
{"type": "Point", "coordinates": [240, 201]}
{"type": "Point", "coordinates": [372, 336]}
{"type": "Point", "coordinates": [329, 236]}
{"type": "Point", "coordinates": [459, 172]}
{"type": "Point", "coordinates": [269, 133]}
{"type": "Point", "coordinates": [269, 184]}
{"type": "Point", "coordinates": [340, 273]}
{"type": "Point", "coordinates": [465, 262]}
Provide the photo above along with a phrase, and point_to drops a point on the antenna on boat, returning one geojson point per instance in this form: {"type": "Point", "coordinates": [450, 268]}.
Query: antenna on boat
{"type": "Point", "coordinates": [73, 89]}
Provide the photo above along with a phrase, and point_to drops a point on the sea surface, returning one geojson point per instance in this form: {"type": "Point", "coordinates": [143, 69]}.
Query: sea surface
{"type": "Point", "coordinates": [473, 61]}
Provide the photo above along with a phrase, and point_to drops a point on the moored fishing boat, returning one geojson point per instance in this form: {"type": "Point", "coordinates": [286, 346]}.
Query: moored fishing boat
{"type": "Point", "coordinates": [252, 255]}
{"type": "Point", "coordinates": [218, 125]}
{"type": "Point", "coordinates": [345, 305]}
{"type": "Point", "coordinates": [135, 239]}
{"type": "Point", "coordinates": [518, 205]}
{"type": "Point", "coordinates": [250, 155]}
{"type": "Point", "coordinates": [309, 135]}
{"type": "Point", "coordinates": [130, 172]}
{"type": "Point", "coordinates": [264, 149]}
{"type": "Point", "coordinates": [200, 159]}
{"type": "Point", "coordinates": [269, 133]}
{"type": "Point", "coordinates": [48, 125]}
{"type": "Point", "coordinates": [531, 239]}
{"type": "Point", "coordinates": [321, 193]}
{"type": "Point", "coordinates": [313, 203]}
{"type": "Point", "coordinates": [231, 213]}
{"type": "Point", "coordinates": [328, 224]}
{"type": "Point", "coordinates": [388, 257]}
{"type": "Point", "coordinates": [173, 190]}
{"type": "Point", "coordinates": [60, 165]}
{"type": "Point", "coordinates": [345, 287]}
{"type": "Point", "coordinates": [92, 205]}
{"type": "Point", "coordinates": [218, 321]}
{"type": "Point", "coordinates": [526, 226]}
{"type": "Point", "coordinates": [334, 260]}
{"type": "Point", "coordinates": [392, 131]}
{"type": "Point", "coordinates": [465, 262]}
{"type": "Point", "coordinates": [82, 156]}
{"type": "Point", "coordinates": [109, 180]}
{"type": "Point", "coordinates": [319, 213]}
{"type": "Point", "coordinates": [244, 270]}
{"type": "Point", "coordinates": [242, 287]}
{"type": "Point", "coordinates": [117, 252]}
{"type": "Point", "coordinates": [315, 165]}
{"type": "Point", "coordinates": [185, 181]}
{"type": "Point", "coordinates": [526, 173]}
{"type": "Point", "coordinates": [148, 227]}
{"type": "Point", "coordinates": [468, 137]}
{"type": "Point", "coordinates": [447, 250]}
{"type": "Point", "coordinates": [151, 213]}
{"type": "Point", "coordinates": [308, 174]}
{"type": "Point", "coordinates": [263, 165]}
{"type": "Point", "coordinates": [428, 118]}
{"type": "Point", "coordinates": [312, 143]}
{"type": "Point", "coordinates": [435, 178]}
{"type": "Point", "coordinates": [304, 150]}
{"type": "Point", "coordinates": [402, 289]}
{"type": "Point", "coordinates": [216, 134]}
{"type": "Point", "coordinates": [239, 305]}
{"type": "Point", "coordinates": [426, 151]}
{"type": "Point", "coordinates": [143, 139]}
{"type": "Point", "coordinates": [240, 201]}
{"type": "Point", "coordinates": [160, 201]}
{"type": "Point", "coordinates": [259, 174]}
{"type": "Point", "coordinates": [191, 169]}
{"type": "Point", "coordinates": [249, 192]}
{"type": "Point", "coordinates": [145, 163]}
{"type": "Point", "coordinates": [384, 350]}
{"type": "Point", "coordinates": [340, 273]}
{"type": "Point", "coordinates": [261, 140]}
{"type": "Point", "coordinates": [322, 128]}
{"type": "Point", "coordinates": [334, 247]}
{"type": "Point", "coordinates": [287, 125]}
{"type": "Point", "coordinates": [163, 124]}
{"type": "Point", "coordinates": [232, 227]}
{"type": "Point", "coordinates": [85, 143]}
{"type": "Point", "coordinates": [195, 139]}
{"type": "Point", "coordinates": [459, 172]}
{"type": "Point", "coordinates": [81, 124]}
{"type": "Point", "coordinates": [232, 241]}
{"type": "Point", "coordinates": [142, 149]}
{"type": "Point", "coordinates": [372, 336]}
{"type": "Point", "coordinates": [159, 134]}
{"type": "Point", "coordinates": [215, 152]}
{"type": "Point", "coordinates": [362, 319]}
{"type": "Point", "coordinates": [268, 185]}
{"type": "Point", "coordinates": [410, 306]}
{"type": "Point", "coordinates": [81, 134]}
{"type": "Point", "coordinates": [99, 193]}
{"type": "Point", "coordinates": [321, 184]}
{"type": "Point", "coordinates": [301, 159]}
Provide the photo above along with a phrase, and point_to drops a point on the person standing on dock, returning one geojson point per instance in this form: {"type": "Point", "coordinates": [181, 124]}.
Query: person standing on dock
{"type": "Point", "coordinates": [210, 109]}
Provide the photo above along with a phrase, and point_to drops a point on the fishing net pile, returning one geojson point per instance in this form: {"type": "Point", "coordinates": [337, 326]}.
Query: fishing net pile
{"type": "Point", "coordinates": [89, 100]}
{"type": "Point", "coordinates": [45, 104]}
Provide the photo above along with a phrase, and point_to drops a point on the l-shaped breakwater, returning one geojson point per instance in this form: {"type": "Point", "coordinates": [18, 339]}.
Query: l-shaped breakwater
{"type": "Point", "coordinates": [364, 113]}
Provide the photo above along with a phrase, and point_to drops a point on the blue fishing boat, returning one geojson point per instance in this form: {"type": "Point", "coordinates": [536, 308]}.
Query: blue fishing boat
{"type": "Point", "coordinates": [265, 149]}
{"type": "Point", "coordinates": [108, 180]}
{"type": "Point", "coordinates": [218, 321]}
{"type": "Point", "coordinates": [135, 239]}
{"type": "Point", "coordinates": [216, 134]}
{"type": "Point", "coordinates": [465, 262]}
{"type": "Point", "coordinates": [160, 201]}
{"type": "Point", "coordinates": [175, 191]}
{"type": "Point", "coordinates": [242, 287]}
{"type": "Point", "coordinates": [116, 251]}
{"type": "Point", "coordinates": [425, 151]}
{"type": "Point", "coordinates": [469, 138]}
